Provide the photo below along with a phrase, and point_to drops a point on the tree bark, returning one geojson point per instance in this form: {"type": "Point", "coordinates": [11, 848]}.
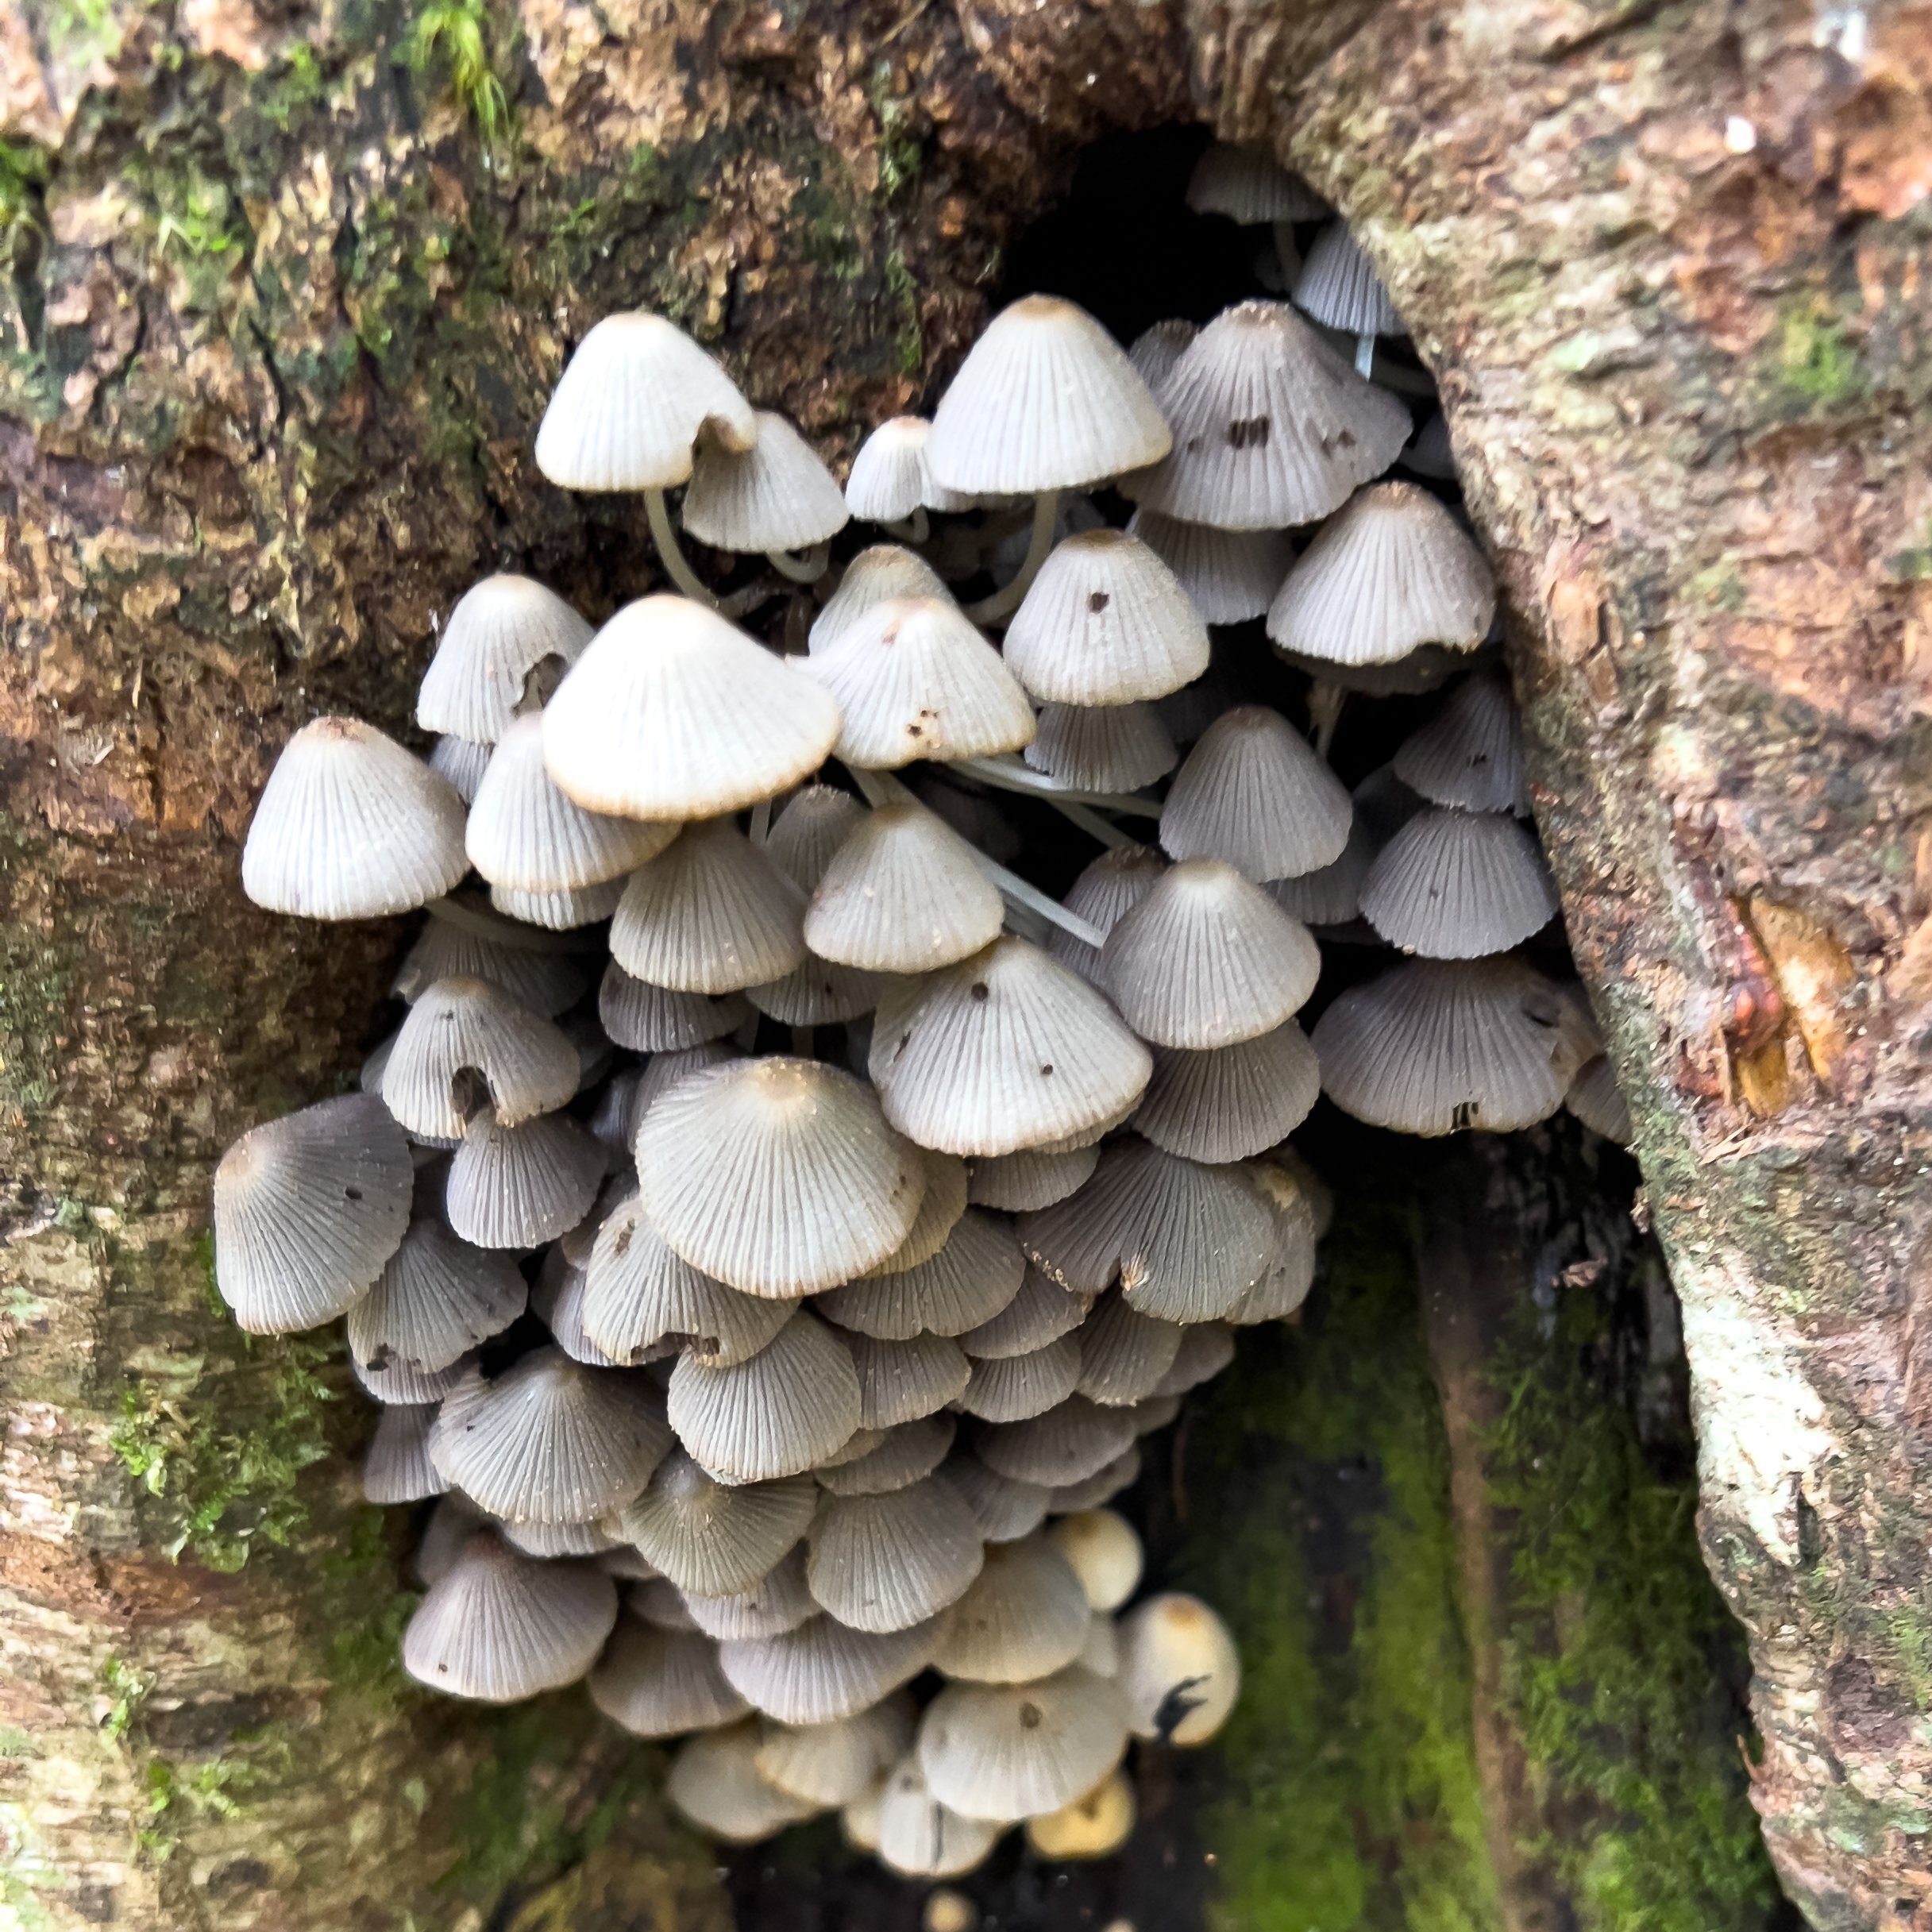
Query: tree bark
{"type": "Point", "coordinates": [277, 326]}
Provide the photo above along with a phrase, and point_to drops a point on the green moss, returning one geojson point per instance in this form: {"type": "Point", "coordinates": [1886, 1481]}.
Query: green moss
{"type": "Point", "coordinates": [909, 337]}
{"type": "Point", "coordinates": [902, 156]}
{"type": "Point", "coordinates": [1814, 361]}
{"type": "Point", "coordinates": [455, 36]}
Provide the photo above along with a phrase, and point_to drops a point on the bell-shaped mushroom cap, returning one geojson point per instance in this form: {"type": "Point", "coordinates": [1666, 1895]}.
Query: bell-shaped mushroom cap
{"type": "Point", "coordinates": [1183, 1241]}
{"type": "Point", "coordinates": [1229, 575]}
{"type": "Point", "coordinates": [1046, 400]}
{"type": "Point", "coordinates": [1096, 1824]}
{"type": "Point", "coordinates": [1158, 347]}
{"type": "Point", "coordinates": [499, 1626]}
{"type": "Point", "coordinates": [710, 914]}
{"type": "Point", "coordinates": [1394, 572]}
{"type": "Point", "coordinates": [776, 495]}
{"type": "Point", "coordinates": [1153, 1413]}
{"type": "Point", "coordinates": [832, 1764]}
{"type": "Point", "coordinates": [1114, 883]}
{"type": "Point", "coordinates": [630, 407]}
{"type": "Point", "coordinates": [650, 1018]}
{"type": "Point", "coordinates": [1124, 1357]}
{"type": "Point", "coordinates": [1271, 426]}
{"type": "Point", "coordinates": [1025, 1617]}
{"type": "Point", "coordinates": [777, 1176]}
{"type": "Point", "coordinates": [1041, 1312]}
{"type": "Point", "coordinates": [939, 1211]}
{"type": "Point", "coordinates": [549, 1440]}
{"type": "Point", "coordinates": [1179, 1672]}
{"type": "Point", "coordinates": [400, 1383]}
{"type": "Point", "coordinates": [1067, 1444]}
{"type": "Point", "coordinates": [1007, 1050]}
{"type": "Point", "coordinates": [778, 1602]}
{"type": "Point", "coordinates": [920, 1837]}
{"type": "Point", "coordinates": [1004, 1509]}
{"type": "Point", "coordinates": [1456, 884]}
{"type": "Point", "coordinates": [790, 1406]}
{"type": "Point", "coordinates": [1597, 1101]}
{"type": "Point", "coordinates": [1437, 1046]}
{"type": "Point", "coordinates": [1104, 1549]}
{"type": "Point", "coordinates": [1004, 1752]}
{"type": "Point", "coordinates": [396, 1467]}
{"type": "Point", "coordinates": [1106, 622]}
{"type": "Point", "coordinates": [435, 1299]}
{"type": "Point", "coordinates": [1102, 748]}
{"type": "Point", "coordinates": [307, 1210]}
{"type": "Point", "coordinates": [823, 1671]}
{"type": "Point", "coordinates": [1030, 1178]}
{"type": "Point", "coordinates": [549, 1540]}
{"type": "Point", "coordinates": [500, 631]}
{"type": "Point", "coordinates": [914, 679]}
{"type": "Point", "coordinates": [525, 1065]}
{"type": "Point", "coordinates": [656, 1682]}
{"type": "Point", "coordinates": [462, 763]}
{"type": "Point", "coordinates": [900, 1382]}
{"type": "Point", "coordinates": [816, 820]}
{"type": "Point", "coordinates": [975, 1274]}
{"type": "Point", "coordinates": [1470, 754]}
{"type": "Point", "coordinates": [1430, 454]}
{"type": "Point", "coordinates": [1331, 895]}
{"type": "Point", "coordinates": [904, 894]}
{"type": "Point", "coordinates": [674, 713]}
{"type": "Point", "coordinates": [525, 836]}
{"type": "Point", "coordinates": [891, 478]}
{"type": "Point", "coordinates": [521, 1186]}
{"type": "Point", "coordinates": [538, 977]}
{"type": "Point", "coordinates": [351, 826]}
{"type": "Point", "coordinates": [1250, 187]}
{"type": "Point", "coordinates": [1283, 1287]}
{"type": "Point", "coordinates": [1206, 1348]}
{"type": "Point", "coordinates": [1207, 959]}
{"type": "Point", "coordinates": [887, 1562]}
{"type": "Point", "coordinates": [714, 1781]}
{"type": "Point", "coordinates": [712, 1538]}
{"type": "Point", "coordinates": [1338, 287]}
{"type": "Point", "coordinates": [1012, 1388]}
{"type": "Point", "coordinates": [1229, 1102]}
{"type": "Point", "coordinates": [561, 911]}
{"type": "Point", "coordinates": [1106, 1483]}
{"type": "Point", "coordinates": [906, 1455]}
{"type": "Point", "coordinates": [876, 576]}
{"type": "Point", "coordinates": [557, 1301]}
{"type": "Point", "coordinates": [453, 1521]}
{"type": "Point", "coordinates": [1253, 793]}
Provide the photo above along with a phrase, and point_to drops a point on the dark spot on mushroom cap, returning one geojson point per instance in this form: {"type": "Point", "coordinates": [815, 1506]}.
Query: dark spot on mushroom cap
{"type": "Point", "coordinates": [621, 1246]}
{"type": "Point", "coordinates": [1046, 1068]}
{"type": "Point", "coordinates": [352, 1194]}
{"type": "Point", "coordinates": [1249, 432]}
{"type": "Point", "coordinates": [1029, 1716]}
{"type": "Point", "coordinates": [1098, 601]}
{"type": "Point", "coordinates": [982, 990]}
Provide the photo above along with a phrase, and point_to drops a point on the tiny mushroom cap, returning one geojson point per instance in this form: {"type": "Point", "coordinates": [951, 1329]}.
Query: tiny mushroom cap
{"type": "Point", "coordinates": [920, 1837]}
{"type": "Point", "coordinates": [975, 1274]}
{"type": "Point", "coordinates": [831, 1764]}
{"type": "Point", "coordinates": [1229, 1102]}
{"type": "Point", "coordinates": [1289, 1191]}
{"type": "Point", "coordinates": [396, 1467]}
{"type": "Point", "coordinates": [521, 1186]}
{"type": "Point", "coordinates": [1103, 748]}
{"type": "Point", "coordinates": [1250, 187]}
{"type": "Point", "coordinates": [628, 410]}
{"type": "Point", "coordinates": [1597, 1101]}
{"type": "Point", "coordinates": [891, 477]}
{"type": "Point", "coordinates": [308, 1211]}
{"type": "Point", "coordinates": [1064, 1446]}
{"type": "Point", "coordinates": [1206, 1348]}
{"type": "Point", "coordinates": [884, 571]}
{"type": "Point", "coordinates": [1003, 1752]}
{"type": "Point", "coordinates": [899, 1381]}
{"type": "Point", "coordinates": [351, 826]}
{"type": "Point", "coordinates": [499, 1626]}
{"type": "Point", "coordinates": [525, 836]}
{"type": "Point", "coordinates": [904, 1456]}
{"type": "Point", "coordinates": [1006, 1050]}
{"type": "Point", "coordinates": [712, 1538]}
{"type": "Point", "coordinates": [1435, 1046]}
{"type": "Point", "coordinates": [1271, 426]}
{"type": "Point", "coordinates": [1179, 1670]}
{"type": "Point", "coordinates": [1005, 1508]}
{"type": "Point", "coordinates": [1012, 1388]}
{"type": "Point", "coordinates": [650, 1018]}
{"type": "Point", "coordinates": [1113, 884]}
{"type": "Point", "coordinates": [889, 1561]}
{"type": "Point", "coordinates": [1471, 753]}
{"type": "Point", "coordinates": [777, 1176]}
{"type": "Point", "coordinates": [822, 1671]}
{"type": "Point", "coordinates": [778, 1602]}
{"type": "Point", "coordinates": [1253, 791]}
{"type": "Point", "coordinates": [1456, 884]}
{"type": "Point", "coordinates": [400, 1383]}
{"type": "Point", "coordinates": [714, 1781]}
{"type": "Point", "coordinates": [1046, 400]}
{"type": "Point", "coordinates": [806, 835]}
{"type": "Point", "coordinates": [466, 1043]}
{"type": "Point", "coordinates": [1105, 1483]}
{"type": "Point", "coordinates": [1207, 959]}
{"type": "Point", "coordinates": [1431, 454]}
{"type": "Point", "coordinates": [1104, 1548]}
{"type": "Point", "coordinates": [1229, 575]}
{"type": "Point", "coordinates": [1029, 1179]}
{"type": "Point", "coordinates": [462, 763]}
{"type": "Point", "coordinates": [1096, 1824]}
{"type": "Point", "coordinates": [547, 982]}
{"type": "Point", "coordinates": [501, 629]}
{"type": "Point", "coordinates": [656, 1682]}
{"type": "Point", "coordinates": [1041, 1312]}
{"type": "Point", "coordinates": [913, 678]}
{"type": "Point", "coordinates": [1393, 572]}
{"type": "Point", "coordinates": [1338, 287]}
{"type": "Point", "coordinates": [939, 1214]}
{"type": "Point", "coordinates": [1106, 621]}
{"type": "Point", "coordinates": [1025, 1617]}
{"type": "Point", "coordinates": [1125, 1356]}
{"type": "Point", "coordinates": [904, 893]}
{"type": "Point", "coordinates": [1158, 347]}
{"type": "Point", "coordinates": [674, 713]}
{"type": "Point", "coordinates": [588, 905]}
{"type": "Point", "coordinates": [789, 1407]}
{"type": "Point", "coordinates": [776, 495]}
{"type": "Point", "coordinates": [436, 1298]}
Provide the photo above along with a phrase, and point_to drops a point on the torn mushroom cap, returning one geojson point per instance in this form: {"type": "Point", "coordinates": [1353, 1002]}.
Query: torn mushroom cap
{"type": "Point", "coordinates": [1029, 1179]}
{"type": "Point", "coordinates": [904, 893]}
{"type": "Point", "coordinates": [1229, 1102]}
{"type": "Point", "coordinates": [521, 1186]}
{"type": "Point", "coordinates": [891, 477]}
{"type": "Point", "coordinates": [888, 1562]}
{"type": "Point", "coordinates": [674, 713]}
{"type": "Point", "coordinates": [1006, 1050]}
{"type": "Point", "coordinates": [1471, 753]}
{"type": "Point", "coordinates": [1096, 1824]}
{"type": "Point", "coordinates": [308, 1209]}
{"type": "Point", "coordinates": [1114, 883]}
{"type": "Point", "coordinates": [1025, 1617]}
{"type": "Point", "coordinates": [436, 1298]}
{"type": "Point", "coordinates": [975, 1274]}
{"type": "Point", "coordinates": [914, 679]}
{"type": "Point", "coordinates": [1105, 748]}
{"type": "Point", "coordinates": [501, 629]}
{"type": "Point", "coordinates": [629, 408]}
{"type": "Point", "coordinates": [709, 914]}
{"type": "Point", "coordinates": [1207, 959]}
{"type": "Point", "coordinates": [1046, 400]}
{"type": "Point", "coordinates": [1179, 1672]}
{"type": "Point", "coordinates": [1250, 187]}
{"type": "Point", "coordinates": [1004, 1752]}
{"type": "Point", "coordinates": [785, 1410]}
{"type": "Point", "coordinates": [822, 1671]}
{"type": "Point", "coordinates": [905, 1454]}
{"type": "Point", "coordinates": [716, 1539]}
{"type": "Point", "coordinates": [1338, 287]}
{"type": "Point", "coordinates": [1458, 884]}
{"type": "Point", "coordinates": [714, 1781]}
{"type": "Point", "coordinates": [1271, 427]}
{"type": "Point", "coordinates": [1158, 347]}
{"type": "Point", "coordinates": [777, 1177]}
{"type": "Point", "coordinates": [1106, 621]}
{"type": "Point", "coordinates": [1254, 793]}
{"type": "Point", "coordinates": [351, 826]}
{"type": "Point", "coordinates": [899, 1381]}
{"type": "Point", "coordinates": [917, 1837]}
{"type": "Point", "coordinates": [776, 495]}
{"type": "Point", "coordinates": [1438, 1045]}
{"type": "Point", "coordinates": [1393, 572]}
{"type": "Point", "coordinates": [1012, 1388]}
{"type": "Point", "coordinates": [885, 570]}
{"type": "Point", "coordinates": [498, 1626]}
{"type": "Point", "coordinates": [1104, 1549]}
{"type": "Point", "coordinates": [832, 1764]}
{"type": "Point", "coordinates": [1229, 575]}
{"type": "Point", "coordinates": [396, 1466]}
{"type": "Point", "coordinates": [521, 1065]}
{"type": "Point", "coordinates": [523, 833]}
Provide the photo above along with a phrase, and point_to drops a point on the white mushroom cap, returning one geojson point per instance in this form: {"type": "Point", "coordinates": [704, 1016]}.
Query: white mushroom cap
{"type": "Point", "coordinates": [521, 1186]}
{"type": "Point", "coordinates": [976, 1273]}
{"type": "Point", "coordinates": [889, 1561]}
{"type": "Point", "coordinates": [777, 1602]}
{"type": "Point", "coordinates": [407, 1387]}
{"type": "Point", "coordinates": [1114, 883]}
{"type": "Point", "coordinates": [1029, 1179]}
{"type": "Point", "coordinates": [587, 905]}
{"type": "Point", "coordinates": [629, 408]}
{"type": "Point", "coordinates": [1250, 186]}
{"type": "Point", "coordinates": [550, 1540]}
{"type": "Point", "coordinates": [776, 495]}
{"type": "Point", "coordinates": [899, 1381]}
{"type": "Point", "coordinates": [904, 893]}
{"type": "Point", "coordinates": [351, 826]}
{"type": "Point", "coordinates": [396, 1466]}
{"type": "Point", "coordinates": [1067, 1445]}
{"type": "Point", "coordinates": [1458, 884]}
{"type": "Point", "coordinates": [906, 1454]}
{"type": "Point", "coordinates": [656, 1682]}
{"type": "Point", "coordinates": [1124, 1356]}
{"type": "Point", "coordinates": [546, 982]}
{"type": "Point", "coordinates": [1046, 400]}
{"type": "Point", "coordinates": [436, 1298]}
{"type": "Point", "coordinates": [1004, 1508]}
{"type": "Point", "coordinates": [891, 477]}
{"type": "Point", "coordinates": [787, 1407]}
{"type": "Point", "coordinates": [1427, 668]}
{"type": "Point", "coordinates": [1289, 1189]}
{"type": "Point", "coordinates": [714, 1781]}
{"type": "Point", "coordinates": [1040, 1313]}
{"type": "Point", "coordinates": [1338, 287]}
{"type": "Point", "coordinates": [939, 1214]}
{"type": "Point", "coordinates": [1012, 1388]}
{"type": "Point", "coordinates": [1104, 1548]}
{"type": "Point", "coordinates": [1102, 748]}
{"type": "Point", "coordinates": [1179, 1669]}
{"type": "Point", "coordinates": [1227, 1102]}
{"type": "Point", "coordinates": [1158, 347]}
{"type": "Point", "coordinates": [716, 1539]}
{"type": "Point", "coordinates": [461, 1027]}
{"type": "Point", "coordinates": [1025, 1617]}
{"type": "Point", "coordinates": [650, 1018]}
{"type": "Point", "coordinates": [501, 629]}
{"type": "Point", "coordinates": [884, 571]}
{"type": "Point", "coordinates": [1206, 1348]}
{"type": "Point", "coordinates": [1107, 1481]}
{"type": "Point", "coordinates": [1471, 753]}
{"type": "Point", "coordinates": [461, 762]}
{"type": "Point", "coordinates": [920, 1837]}
{"type": "Point", "coordinates": [1094, 1826]}
{"type": "Point", "coordinates": [1331, 895]}
{"type": "Point", "coordinates": [822, 1671]}
{"type": "Point", "coordinates": [1002, 1752]}
{"type": "Point", "coordinates": [832, 1764]}
{"type": "Point", "coordinates": [1229, 575]}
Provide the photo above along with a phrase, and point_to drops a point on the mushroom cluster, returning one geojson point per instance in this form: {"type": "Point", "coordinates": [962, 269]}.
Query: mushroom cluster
{"type": "Point", "coordinates": [776, 1208]}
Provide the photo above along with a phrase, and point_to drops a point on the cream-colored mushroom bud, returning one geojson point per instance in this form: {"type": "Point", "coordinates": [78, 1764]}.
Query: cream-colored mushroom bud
{"type": "Point", "coordinates": [1179, 1670]}
{"type": "Point", "coordinates": [1094, 1826]}
{"type": "Point", "coordinates": [1104, 1550]}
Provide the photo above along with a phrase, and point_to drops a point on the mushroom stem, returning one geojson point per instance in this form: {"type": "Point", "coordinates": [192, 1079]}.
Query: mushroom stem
{"type": "Point", "coordinates": [1006, 773]}
{"type": "Point", "coordinates": [747, 597]}
{"type": "Point", "coordinates": [1003, 602]}
{"type": "Point", "coordinates": [806, 569]}
{"type": "Point", "coordinates": [664, 534]}
{"type": "Point", "coordinates": [761, 821]}
{"type": "Point", "coordinates": [1324, 709]}
{"type": "Point", "coordinates": [1365, 355]}
{"type": "Point", "coordinates": [914, 529]}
